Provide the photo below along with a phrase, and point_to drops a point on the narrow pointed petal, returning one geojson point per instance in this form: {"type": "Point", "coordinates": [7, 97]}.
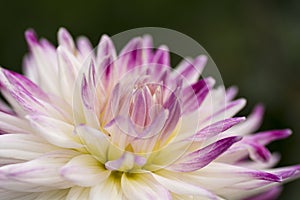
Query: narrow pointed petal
{"type": "Point", "coordinates": [252, 123]}
{"type": "Point", "coordinates": [227, 111]}
{"type": "Point", "coordinates": [254, 146]}
{"type": "Point", "coordinates": [132, 54]}
{"type": "Point", "coordinates": [191, 69]}
{"type": "Point", "coordinates": [26, 97]}
{"type": "Point", "coordinates": [84, 47]}
{"type": "Point", "coordinates": [42, 62]}
{"type": "Point", "coordinates": [202, 157]}
{"type": "Point", "coordinates": [194, 95]}
{"type": "Point", "coordinates": [65, 39]}
{"type": "Point", "coordinates": [68, 67]}
{"type": "Point", "coordinates": [216, 128]}
{"type": "Point", "coordinates": [161, 59]}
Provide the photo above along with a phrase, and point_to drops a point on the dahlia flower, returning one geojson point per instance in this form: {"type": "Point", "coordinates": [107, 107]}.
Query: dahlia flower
{"type": "Point", "coordinates": [108, 125]}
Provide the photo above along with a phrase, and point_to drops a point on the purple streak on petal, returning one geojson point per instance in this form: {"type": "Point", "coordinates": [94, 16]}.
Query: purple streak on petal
{"type": "Point", "coordinates": [65, 39]}
{"type": "Point", "coordinates": [23, 84]}
{"type": "Point", "coordinates": [271, 194]}
{"type": "Point", "coordinates": [202, 157]}
{"type": "Point", "coordinates": [217, 127]}
{"type": "Point", "coordinates": [174, 114]}
{"type": "Point", "coordinates": [266, 137]}
{"type": "Point", "coordinates": [84, 46]}
{"type": "Point", "coordinates": [31, 38]}
{"type": "Point", "coordinates": [85, 94]}
{"type": "Point", "coordinates": [253, 121]}
{"type": "Point", "coordinates": [107, 65]}
{"type": "Point", "coordinates": [92, 73]}
{"type": "Point", "coordinates": [123, 125]}
{"type": "Point", "coordinates": [254, 144]}
{"type": "Point", "coordinates": [105, 48]}
{"type": "Point", "coordinates": [258, 152]}
{"type": "Point", "coordinates": [139, 110]}
{"type": "Point", "coordinates": [287, 173]}
{"type": "Point", "coordinates": [233, 105]}
{"type": "Point", "coordinates": [261, 175]}
{"type": "Point", "coordinates": [147, 47]}
{"type": "Point", "coordinates": [195, 67]}
{"type": "Point", "coordinates": [231, 93]}
{"type": "Point", "coordinates": [161, 57]}
{"type": "Point", "coordinates": [198, 91]}
{"type": "Point", "coordinates": [156, 125]}
{"type": "Point", "coordinates": [131, 55]}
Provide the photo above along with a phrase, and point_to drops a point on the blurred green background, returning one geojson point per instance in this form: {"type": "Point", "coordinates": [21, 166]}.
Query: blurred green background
{"type": "Point", "coordinates": [255, 44]}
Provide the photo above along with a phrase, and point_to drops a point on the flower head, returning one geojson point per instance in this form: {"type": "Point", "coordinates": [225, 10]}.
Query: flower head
{"type": "Point", "coordinates": [108, 125]}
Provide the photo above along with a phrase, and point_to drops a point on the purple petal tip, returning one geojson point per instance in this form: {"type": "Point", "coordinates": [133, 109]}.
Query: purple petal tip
{"type": "Point", "coordinates": [31, 37]}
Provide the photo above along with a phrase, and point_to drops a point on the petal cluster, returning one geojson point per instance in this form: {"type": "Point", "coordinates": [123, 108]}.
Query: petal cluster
{"type": "Point", "coordinates": [102, 124]}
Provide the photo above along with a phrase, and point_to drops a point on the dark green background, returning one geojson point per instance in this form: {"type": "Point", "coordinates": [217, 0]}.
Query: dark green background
{"type": "Point", "coordinates": [255, 44]}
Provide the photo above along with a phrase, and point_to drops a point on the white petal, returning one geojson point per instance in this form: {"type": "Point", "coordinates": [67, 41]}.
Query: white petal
{"type": "Point", "coordinates": [84, 170]}
{"type": "Point", "coordinates": [38, 175]}
{"type": "Point", "coordinates": [22, 147]}
{"type": "Point", "coordinates": [78, 193]}
{"type": "Point", "coordinates": [143, 186]}
{"type": "Point", "coordinates": [13, 124]}
{"type": "Point", "coordinates": [180, 187]}
{"type": "Point", "coordinates": [95, 142]}
{"type": "Point", "coordinates": [9, 195]}
{"type": "Point", "coordinates": [108, 189]}
{"type": "Point", "coordinates": [68, 67]}
{"type": "Point", "coordinates": [56, 194]}
{"type": "Point", "coordinates": [55, 131]}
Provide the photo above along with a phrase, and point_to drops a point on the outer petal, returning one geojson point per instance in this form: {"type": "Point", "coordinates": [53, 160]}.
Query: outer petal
{"type": "Point", "coordinates": [179, 187]}
{"type": "Point", "coordinates": [41, 63]}
{"type": "Point", "coordinates": [202, 157]}
{"type": "Point", "coordinates": [191, 69]}
{"type": "Point", "coordinates": [84, 170]}
{"type": "Point", "coordinates": [55, 131]}
{"type": "Point", "coordinates": [26, 97]}
{"type": "Point", "coordinates": [38, 175]}
{"type": "Point", "coordinates": [10, 123]}
{"type": "Point", "coordinates": [20, 147]}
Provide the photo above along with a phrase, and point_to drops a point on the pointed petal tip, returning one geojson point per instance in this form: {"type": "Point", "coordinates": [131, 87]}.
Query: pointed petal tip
{"type": "Point", "coordinates": [31, 37]}
{"type": "Point", "coordinates": [259, 109]}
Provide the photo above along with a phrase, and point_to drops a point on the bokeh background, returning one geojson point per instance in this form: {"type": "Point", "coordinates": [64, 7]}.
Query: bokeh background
{"type": "Point", "coordinates": [255, 44]}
